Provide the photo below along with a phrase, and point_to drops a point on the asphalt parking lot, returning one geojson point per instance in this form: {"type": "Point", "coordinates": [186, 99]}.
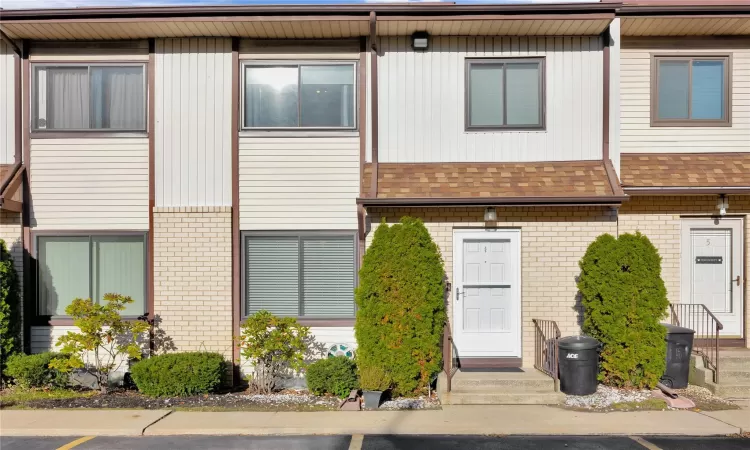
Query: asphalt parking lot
{"type": "Point", "coordinates": [376, 443]}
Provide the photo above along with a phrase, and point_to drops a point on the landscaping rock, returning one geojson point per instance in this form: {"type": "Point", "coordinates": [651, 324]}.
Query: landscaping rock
{"type": "Point", "coordinates": [605, 397]}
{"type": "Point", "coordinates": [410, 403]}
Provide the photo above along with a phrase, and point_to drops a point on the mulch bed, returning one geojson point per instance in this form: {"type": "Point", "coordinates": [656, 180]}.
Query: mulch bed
{"type": "Point", "coordinates": [285, 401]}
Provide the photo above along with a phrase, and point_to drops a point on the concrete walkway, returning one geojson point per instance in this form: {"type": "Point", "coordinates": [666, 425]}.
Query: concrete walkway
{"type": "Point", "coordinates": [458, 420]}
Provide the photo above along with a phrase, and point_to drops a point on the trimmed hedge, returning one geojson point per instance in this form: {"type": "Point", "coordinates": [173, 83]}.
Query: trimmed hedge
{"type": "Point", "coordinates": [33, 371]}
{"type": "Point", "coordinates": [9, 301]}
{"type": "Point", "coordinates": [624, 300]}
{"type": "Point", "coordinates": [401, 306]}
{"type": "Point", "coordinates": [179, 374]}
{"type": "Point", "coordinates": [337, 376]}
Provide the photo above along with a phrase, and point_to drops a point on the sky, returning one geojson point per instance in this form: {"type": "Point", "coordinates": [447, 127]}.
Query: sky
{"type": "Point", "coordinates": [16, 4]}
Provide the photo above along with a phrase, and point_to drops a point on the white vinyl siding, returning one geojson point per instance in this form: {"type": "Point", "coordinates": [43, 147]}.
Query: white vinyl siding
{"type": "Point", "coordinates": [89, 184]}
{"type": "Point", "coordinates": [193, 138]}
{"type": "Point", "coordinates": [637, 134]}
{"type": "Point", "coordinates": [614, 94]}
{"type": "Point", "coordinates": [7, 104]}
{"type": "Point", "coordinates": [297, 183]}
{"type": "Point", "coordinates": [422, 97]}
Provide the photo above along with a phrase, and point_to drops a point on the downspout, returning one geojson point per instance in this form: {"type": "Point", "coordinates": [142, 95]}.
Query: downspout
{"type": "Point", "coordinates": [374, 102]}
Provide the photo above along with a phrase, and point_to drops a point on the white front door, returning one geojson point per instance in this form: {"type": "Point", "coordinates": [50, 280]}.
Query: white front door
{"type": "Point", "coordinates": [486, 298]}
{"type": "Point", "coordinates": [712, 269]}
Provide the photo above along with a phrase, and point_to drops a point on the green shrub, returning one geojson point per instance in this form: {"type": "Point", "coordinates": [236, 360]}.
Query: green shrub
{"type": "Point", "coordinates": [275, 346]}
{"type": "Point", "coordinates": [179, 374]}
{"type": "Point", "coordinates": [9, 301]}
{"type": "Point", "coordinates": [374, 378]}
{"type": "Point", "coordinates": [401, 310]}
{"type": "Point", "coordinates": [336, 375]}
{"type": "Point", "coordinates": [33, 371]}
{"type": "Point", "coordinates": [624, 299]}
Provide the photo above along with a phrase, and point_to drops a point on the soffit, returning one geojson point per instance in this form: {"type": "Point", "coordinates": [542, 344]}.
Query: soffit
{"type": "Point", "coordinates": [724, 25]}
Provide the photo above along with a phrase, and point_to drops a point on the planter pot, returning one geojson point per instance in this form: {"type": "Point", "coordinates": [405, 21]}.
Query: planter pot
{"type": "Point", "coordinates": [372, 399]}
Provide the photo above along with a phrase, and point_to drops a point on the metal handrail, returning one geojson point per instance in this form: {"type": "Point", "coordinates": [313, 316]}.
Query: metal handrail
{"type": "Point", "coordinates": [449, 355]}
{"type": "Point", "coordinates": [546, 352]}
{"type": "Point", "coordinates": [707, 327]}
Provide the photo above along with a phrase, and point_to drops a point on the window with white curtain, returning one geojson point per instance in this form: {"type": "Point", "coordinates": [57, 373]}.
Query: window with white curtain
{"type": "Point", "coordinates": [505, 93]}
{"type": "Point", "coordinates": [690, 91]}
{"type": "Point", "coordinates": [80, 266]}
{"type": "Point", "coordinates": [300, 95]}
{"type": "Point", "coordinates": [300, 274]}
{"type": "Point", "coordinates": [76, 97]}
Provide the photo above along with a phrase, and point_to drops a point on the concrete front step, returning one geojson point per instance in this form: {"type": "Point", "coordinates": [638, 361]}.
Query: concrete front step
{"type": "Point", "coordinates": [732, 376]}
{"type": "Point", "coordinates": [734, 361]}
{"type": "Point", "coordinates": [476, 398]}
{"type": "Point", "coordinates": [527, 387]}
{"type": "Point", "coordinates": [732, 389]}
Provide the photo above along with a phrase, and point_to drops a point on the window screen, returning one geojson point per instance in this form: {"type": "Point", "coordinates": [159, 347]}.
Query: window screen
{"type": "Point", "coordinates": [73, 267]}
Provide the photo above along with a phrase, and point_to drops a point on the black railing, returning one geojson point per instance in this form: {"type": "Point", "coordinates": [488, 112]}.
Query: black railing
{"type": "Point", "coordinates": [546, 337]}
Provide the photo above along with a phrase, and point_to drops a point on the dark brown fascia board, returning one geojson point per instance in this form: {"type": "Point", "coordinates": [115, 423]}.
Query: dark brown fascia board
{"type": "Point", "coordinates": [614, 181]}
{"type": "Point", "coordinates": [10, 185]}
{"type": "Point", "coordinates": [684, 190]}
{"type": "Point", "coordinates": [297, 10]}
{"type": "Point", "coordinates": [15, 171]}
{"type": "Point", "coordinates": [604, 200]}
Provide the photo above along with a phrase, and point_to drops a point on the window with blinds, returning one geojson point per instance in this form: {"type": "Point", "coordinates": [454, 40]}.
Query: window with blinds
{"type": "Point", "coordinates": [300, 275]}
{"type": "Point", "coordinates": [81, 266]}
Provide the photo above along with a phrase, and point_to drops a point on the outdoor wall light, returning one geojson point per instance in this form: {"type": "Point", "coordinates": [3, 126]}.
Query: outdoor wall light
{"type": "Point", "coordinates": [722, 205]}
{"type": "Point", "coordinates": [420, 40]}
{"type": "Point", "coordinates": [490, 215]}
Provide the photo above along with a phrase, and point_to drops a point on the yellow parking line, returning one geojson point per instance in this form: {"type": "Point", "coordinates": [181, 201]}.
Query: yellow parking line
{"type": "Point", "coordinates": [356, 442]}
{"type": "Point", "coordinates": [644, 443]}
{"type": "Point", "coordinates": [76, 443]}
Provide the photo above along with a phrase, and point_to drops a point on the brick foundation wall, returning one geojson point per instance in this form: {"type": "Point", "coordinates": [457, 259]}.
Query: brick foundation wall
{"type": "Point", "coordinates": [659, 218]}
{"type": "Point", "coordinates": [553, 240]}
{"type": "Point", "coordinates": [11, 231]}
{"type": "Point", "coordinates": [193, 278]}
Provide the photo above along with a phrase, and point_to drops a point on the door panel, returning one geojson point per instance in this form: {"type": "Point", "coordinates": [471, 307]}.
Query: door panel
{"type": "Point", "coordinates": [711, 264]}
{"type": "Point", "coordinates": [487, 304]}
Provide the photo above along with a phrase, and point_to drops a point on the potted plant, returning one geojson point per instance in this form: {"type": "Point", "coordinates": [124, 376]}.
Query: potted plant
{"type": "Point", "coordinates": [374, 380]}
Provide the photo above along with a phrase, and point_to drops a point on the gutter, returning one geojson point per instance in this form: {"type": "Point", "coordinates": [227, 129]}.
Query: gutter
{"type": "Point", "coordinates": [612, 200]}
{"type": "Point", "coordinates": [302, 10]}
{"type": "Point", "coordinates": [666, 190]}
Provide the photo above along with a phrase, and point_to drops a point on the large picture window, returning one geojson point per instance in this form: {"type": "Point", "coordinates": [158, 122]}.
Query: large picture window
{"type": "Point", "coordinates": [80, 266]}
{"type": "Point", "coordinates": [690, 91]}
{"type": "Point", "coordinates": [505, 94]}
{"type": "Point", "coordinates": [301, 275]}
{"type": "Point", "coordinates": [77, 97]}
{"type": "Point", "coordinates": [307, 95]}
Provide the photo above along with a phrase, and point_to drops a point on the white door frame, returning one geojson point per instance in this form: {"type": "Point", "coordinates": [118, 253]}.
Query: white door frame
{"type": "Point", "coordinates": [514, 236]}
{"type": "Point", "coordinates": [737, 262]}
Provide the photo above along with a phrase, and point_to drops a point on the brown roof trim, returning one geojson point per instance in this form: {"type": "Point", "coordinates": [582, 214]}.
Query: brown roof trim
{"type": "Point", "coordinates": [614, 181]}
{"type": "Point", "coordinates": [9, 41]}
{"type": "Point", "coordinates": [495, 201]}
{"type": "Point", "coordinates": [635, 191]}
{"type": "Point", "coordinates": [10, 185]}
{"type": "Point", "coordinates": [432, 9]}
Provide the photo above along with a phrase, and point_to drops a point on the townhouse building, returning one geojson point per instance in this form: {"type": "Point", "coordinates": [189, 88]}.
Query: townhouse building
{"type": "Point", "coordinates": [211, 162]}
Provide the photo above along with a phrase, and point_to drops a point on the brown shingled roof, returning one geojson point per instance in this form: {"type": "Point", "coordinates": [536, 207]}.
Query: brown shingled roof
{"type": "Point", "coordinates": [554, 180]}
{"type": "Point", "coordinates": [673, 170]}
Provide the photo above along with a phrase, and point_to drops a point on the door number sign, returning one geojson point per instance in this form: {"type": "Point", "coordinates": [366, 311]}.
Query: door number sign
{"type": "Point", "coordinates": [709, 259]}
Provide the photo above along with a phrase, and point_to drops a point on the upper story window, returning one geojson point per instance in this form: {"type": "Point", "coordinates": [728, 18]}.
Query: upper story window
{"type": "Point", "coordinates": [505, 94]}
{"type": "Point", "coordinates": [320, 95]}
{"type": "Point", "coordinates": [690, 91]}
{"type": "Point", "coordinates": [78, 97]}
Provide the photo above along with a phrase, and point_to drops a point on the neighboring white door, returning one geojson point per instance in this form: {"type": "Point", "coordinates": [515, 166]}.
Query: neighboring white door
{"type": "Point", "coordinates": [712, 269]}
{"type": "Point", "coordinates": [486, 298]}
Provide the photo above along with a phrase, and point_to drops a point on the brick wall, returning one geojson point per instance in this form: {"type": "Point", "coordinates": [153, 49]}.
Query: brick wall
{"type": "Point", "coordinates": [659, 218]}
{"type": "Point", "coordinates": [11, 232]}
{"type": "Point", "coordinates": [553, 240]}
{"type": "Point", "coordinates": [193, 277]}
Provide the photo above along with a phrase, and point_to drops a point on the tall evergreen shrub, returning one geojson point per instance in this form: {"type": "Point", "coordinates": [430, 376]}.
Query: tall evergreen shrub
{"type": "Point", "coordinates": [624, 299]}
{"type": "Point", "coordinates": [10, 298]}
{"type": "Point", "coordinates": [401, 309]}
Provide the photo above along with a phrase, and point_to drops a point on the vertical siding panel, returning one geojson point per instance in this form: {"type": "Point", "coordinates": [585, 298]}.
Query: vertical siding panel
{"type": "Point", "coordinates": [614, 95]}
{"type": "Point", "coordinates": [193, 109]}
{"type": "Point", "coordinates": [7, 105]}
{"type": "Point", "coordinates": [430, 128]}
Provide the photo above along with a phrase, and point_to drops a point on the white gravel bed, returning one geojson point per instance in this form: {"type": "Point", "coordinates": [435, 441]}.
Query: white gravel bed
{"type": "Point", "coordinates": [421, 402]}
{"type": "Point", "coordinates": [606, 396]}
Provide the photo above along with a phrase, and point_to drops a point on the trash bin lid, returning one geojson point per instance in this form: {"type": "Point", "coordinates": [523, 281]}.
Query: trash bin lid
{"type": "Point", "coordinates": [578, 343]}
{"type": "Point", "coordinates": [674, 329]}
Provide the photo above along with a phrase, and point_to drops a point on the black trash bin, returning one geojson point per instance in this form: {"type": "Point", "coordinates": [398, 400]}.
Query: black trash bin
{"type": "Point", "coordinates": [579, 365]}
{"type": "Point", "coordinates": [679, 348]}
